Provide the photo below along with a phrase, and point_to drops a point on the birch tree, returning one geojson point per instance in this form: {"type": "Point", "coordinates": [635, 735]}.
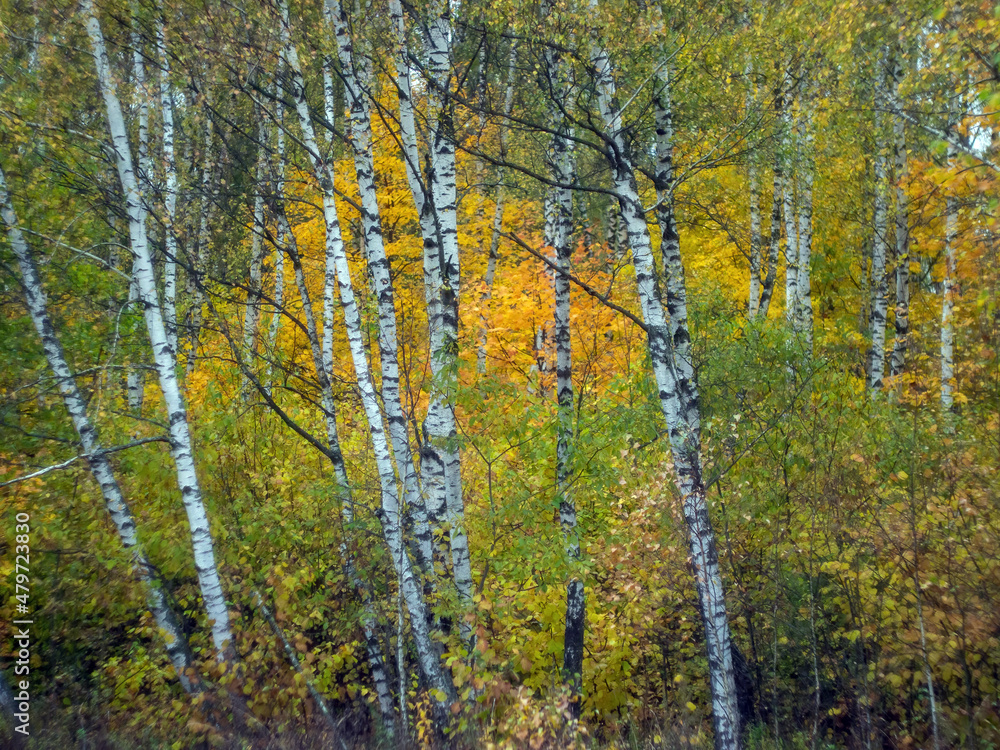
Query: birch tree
{"type": "Point", "coordinates": [806, 165]}
{"type": "Point", "coordinates": [440, 459]}
{"type": "Point", "coordinates": [357, 76]}
{"type": "Point", "coordinates": [949, 291]}
{"type": "Point", "coordinates": [876, 368]}
{"type": "Point", "coordinates": [165, 362]}
{"type": "Point", "coordinates": [170, 192]}
{"type": "Point", "coordinates": [390, 515]}
{"type": "Point", "coordinates": [559, 238]}
{"type": "Point", "coordinates": [680, 409]}
{"type": "Point", "coordinates": [901, 340]}
{"type": "Point", "coordinates": [174, 638]}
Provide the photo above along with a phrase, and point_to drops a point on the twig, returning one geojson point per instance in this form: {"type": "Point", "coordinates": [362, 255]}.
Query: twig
{"type": "Point", "coordinates": [582, 284]}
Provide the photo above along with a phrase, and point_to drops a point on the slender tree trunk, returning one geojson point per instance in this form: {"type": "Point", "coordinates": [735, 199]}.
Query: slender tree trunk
{"type": "Point", "coordinates": [100, 466]}
{"type": "Point", "coordinates": [774, 244]}
{"type": "Point", "coordinates": [681, 418]}
{"type": "Point", "coordinates": [670, 249]}
{"type": "Point", "coordinates": [876, 371]}
{"type": "Point", "coordinates": [756, 259]}
{"type": "Point", "coordinates": [753, 184]}
{"type": "Point", "coordinates": [278, 296]}
{"type": "Point", "coordinates": [170, 194]}
{"type": "Point", "coordinates": [948, 294]}
{"type": "Point", "coordinates": [135, 380]}
{"type": "Point", "coordinates": [390, 513]}
{"type": "Point", "coordinates": [442, 283]}
{"type": "Point", "coordinates": [252, 319]}
{"type": "Point", "coordinates": [788, 212]}
{"type": "Point", "coordinates": [357, 88]}
{"type": "Point", "coordinates": [559, 237]}
{"type": "Point", "coordinates": [163, 355]}
{"type": "Point", "coordinates": [901, 341]}
{"type": "Point", "coordinates": [804, 315]}
{"type": "Point", "coordinates": [200, 256]}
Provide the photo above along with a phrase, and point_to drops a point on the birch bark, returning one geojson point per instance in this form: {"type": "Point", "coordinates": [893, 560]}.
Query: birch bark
{"type": "Point", "coordinates": [559, 238]}
{"type": "Point", "coordinates": [804, 314]}
{"type": "Point", "coordinates": [390, 513]}
{"type": "Point", "coordinates": [880, 286]}
{"type": "Point", "coordinates": [121, 515]}
{"type": "Point", "coordinates": [948, 294]}
{"type": "Point", "coordinates": [135, 380]}
{"type": "Point", "coordinates": [774, 243]}
{"type": "Point", "coordinates": [442, 284]}
{"type": "Point", "coordinates": [163, 355]}
{"type": "Point", "coordinates": [683, 431]}
{"type": "Point", "coordinates": [252, 318]}
{"type": "Point", "coordinates": [356, 73]}
{"type": "Point", "coordinates": [901, 341]}
{"type": "Point", "coordinates": [789, 214]}
{"type": "Point", "coordinates": [170, 193]}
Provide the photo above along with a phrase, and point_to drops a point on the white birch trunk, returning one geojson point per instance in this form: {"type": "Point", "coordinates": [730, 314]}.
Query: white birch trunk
{"type": "Point", "coordinates": [559, 237]}
{"type": "Point", "coordinates": [788, 213]}
{"type": "Point", "coordinates": [163, 355]}
{"type": "Point", "coordinates": [170, 193]}
{"type": "Point", "coordinates": [670, 249]}
{"type": "Point", "coordinates": [376, 659]}
{"type": "Point", "coordinates": [357, 76]}
{"type": "Point", "coordinates": [200, 258]}
{"type": "Point", "coordinates": [901, 341]}
{"type": "Point", "coordinates": [684, 435]}
{"type": "Point", "coordinates": [432, 468]}
{"type": "Point", "coordinates": [278, 296]}
{"type": "Point", "coordinates": [442, 282]}
{"type": "Point", "coordinates": [880, 286]}
{"type": "Point", "coordinates": [252, 318]}
{"type": "Point", "coordinates": [389, 515]}
{"type": "Point", "coordinates": [806, 164]}
{"type": "Point", "coordinates": [100, 466]}
{"type": "Point", "coordinates": [756, 259]}
{"type": "Point", "coordinates": [774, 244]}
{"type": "Point", "coordinates": [135, 379]}
{"type": "Point", "coordinates": [948, 294]}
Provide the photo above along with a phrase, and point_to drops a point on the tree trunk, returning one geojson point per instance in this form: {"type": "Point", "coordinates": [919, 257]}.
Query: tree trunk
{"type": "Point", "coordinates": [100, 466]}
{"type": "Point", "coordinates": [901, 341]}
{"type": "Point", "coordinates": [252, 319]}
{"type": "Point", "coordinates": [389, 515]}
{"type": "Point", "coordinates": [788, 212]}
{"type": "Point", "coordinates": [357, 88]}
{"type": "Point", "coordinates": [804, 316]}
{"type": "Point", "coordinates": [163, 355]}
{"type": "Point", "coordinates": [559, 237]}
{"type": "Point", "coordinates": [683, 430]}
{"type": "Point", "coordinates": [948, 294]}
{"type": "Point", "coordinates": [880, 290]}
{"type": "Point", "coordinates": [774, 243]}
{"type": "Point", "coordinates": [442, 284]}
{"type": "Point", "coordinates": [170, 194]}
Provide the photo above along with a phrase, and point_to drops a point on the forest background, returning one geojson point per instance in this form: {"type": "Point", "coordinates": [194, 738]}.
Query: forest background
{"type": "Point", "coordinates": [505, 374]}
